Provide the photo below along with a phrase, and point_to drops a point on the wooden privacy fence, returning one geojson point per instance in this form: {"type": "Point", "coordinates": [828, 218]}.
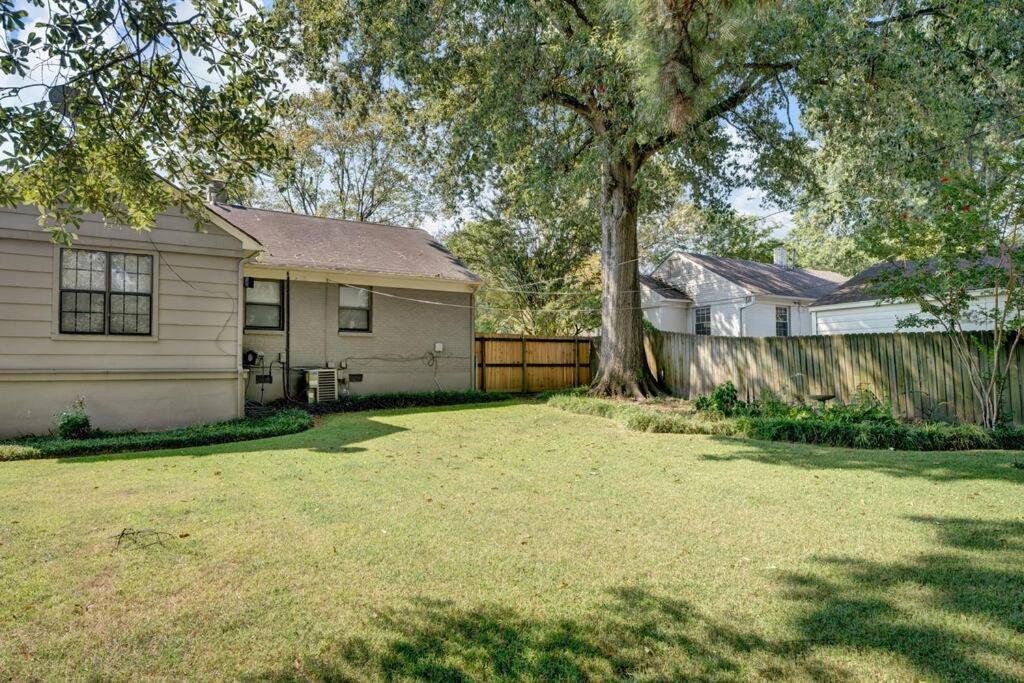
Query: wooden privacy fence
{"type": "Point", "coordinates": [921, 374]}
{"type": "Point", "coordinates": [507, 362]}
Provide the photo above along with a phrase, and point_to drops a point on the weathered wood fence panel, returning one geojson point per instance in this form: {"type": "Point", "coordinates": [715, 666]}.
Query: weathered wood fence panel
{"type": "Point", "coordinates": [518, 364]}
{"type": "Point", "coordinates": [921, 374]}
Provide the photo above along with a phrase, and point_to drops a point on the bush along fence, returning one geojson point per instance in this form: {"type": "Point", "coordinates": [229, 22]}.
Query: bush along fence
{"type": "Point", "coordinates": [920, 374]}
{"type": "Point", "coordinates": [821, 430]}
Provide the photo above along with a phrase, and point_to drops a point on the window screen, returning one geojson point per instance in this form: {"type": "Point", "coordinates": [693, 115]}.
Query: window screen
{"type": "Point", "coordinates": [355, 307]}
{"type": "Point", "coordinates": [702, 321]}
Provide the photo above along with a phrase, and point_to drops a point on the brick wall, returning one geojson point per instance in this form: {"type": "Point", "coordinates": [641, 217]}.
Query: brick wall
{"type": "Point", "coordinates": [390, 357]}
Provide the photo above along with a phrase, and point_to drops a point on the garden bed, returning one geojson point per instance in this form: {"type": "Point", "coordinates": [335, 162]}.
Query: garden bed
{"type": "Point", "coordinates": [287, 421]}
{"type": "Point", "coordinates": [390, 401]}
{"type": "Point", "coordinates": [834, 426]}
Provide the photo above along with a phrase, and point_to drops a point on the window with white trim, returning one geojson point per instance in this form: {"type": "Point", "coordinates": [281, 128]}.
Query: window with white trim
{"type": "Point", "coordinates": [782, 321]}
{"type": "Point", "coordinates": [355, 309]}
{"type": "Point", "coordinates": [264, 305]}
{"type": "Point", "coordinates": [105, 292]}
{"type": "Point", "coordinates": [702, 321]}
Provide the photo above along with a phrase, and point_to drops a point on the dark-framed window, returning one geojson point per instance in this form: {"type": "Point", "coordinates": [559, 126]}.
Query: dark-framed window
{"type": "Point", "coordinates": [104, 292]}
{"type": "Point", "coordinates": [702, 321]}
{"type": "Point", "coordinates": [355, 309]}
{"type": "Point", "coordinates": [264, 305]}
{"type": "Point", "coordinates": [782, 321]}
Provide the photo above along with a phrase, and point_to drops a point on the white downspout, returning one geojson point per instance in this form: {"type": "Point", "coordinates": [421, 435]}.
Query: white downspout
{"type": "Point", "coordinates": [743, 323]}
{"type": "Point", "coordinates": [241, 373]}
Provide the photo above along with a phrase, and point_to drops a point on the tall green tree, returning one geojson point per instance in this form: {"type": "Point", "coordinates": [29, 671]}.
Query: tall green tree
{"type": "Point", "coordinates": [918, 91]}
{"type": "Point", "coordinates": [537, 281]}
{"type": "Point", "coordinates": [352, 154]}
{"type": "Point", "coordinates": [607, 86]}
{"type": "Point", "coordinates": [719, 232]}
{"type": "Point", "coordinates": [101, 98]}
{"type": "Point", "coordinates": [975, 227]}
{"type": "Point", "coordinates": [537, 251]}
{"type": "Point", "coordinates": [824, 246]}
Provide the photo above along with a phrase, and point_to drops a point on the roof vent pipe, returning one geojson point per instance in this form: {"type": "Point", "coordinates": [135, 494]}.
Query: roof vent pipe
{"type": "Point", "coordinates": [780, 257]}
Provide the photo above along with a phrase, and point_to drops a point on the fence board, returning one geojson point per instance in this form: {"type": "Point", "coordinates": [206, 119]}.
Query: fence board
{"type": "Point", "coordinates": [921, 374]}
{"type": "Point", "coordinates": [517, 364]}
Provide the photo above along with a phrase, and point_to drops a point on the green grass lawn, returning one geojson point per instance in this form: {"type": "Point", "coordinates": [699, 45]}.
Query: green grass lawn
{"type": "Point", "coordinates": [513, 541]}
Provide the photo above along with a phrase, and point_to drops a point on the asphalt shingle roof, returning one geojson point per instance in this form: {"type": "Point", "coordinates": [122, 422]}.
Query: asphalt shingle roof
{"type": "Point", "coordinates": [864, 286]}
{"type": "Point", "coordinates": [299, 241]}
{"type": "Point", "coordinates": [860, 287]}
{"type": "Point", "coordinates": [767, 278]}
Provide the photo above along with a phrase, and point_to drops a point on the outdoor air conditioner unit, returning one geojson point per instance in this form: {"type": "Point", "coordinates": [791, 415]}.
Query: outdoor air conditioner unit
{"type": "Point", "coordinates": [321, 385]}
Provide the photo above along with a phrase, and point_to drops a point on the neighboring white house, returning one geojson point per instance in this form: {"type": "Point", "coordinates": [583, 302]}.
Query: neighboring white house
{"type": "Point", "coordinates": [854, 308]}
{"type": "Point", "coordinates": [710, 295]}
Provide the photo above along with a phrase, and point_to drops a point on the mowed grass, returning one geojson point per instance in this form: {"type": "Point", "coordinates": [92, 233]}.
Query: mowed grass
{"type": "Point", "coordinates": [513, 541]}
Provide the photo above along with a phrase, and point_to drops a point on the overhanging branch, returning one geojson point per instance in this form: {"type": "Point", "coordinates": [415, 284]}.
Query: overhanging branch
{"type": "Point", "coordinates": [563, 99]}
{"type": "Point", "coordinates": [760, 76]}
{"type": "Point", "coordinates": [936, 11]}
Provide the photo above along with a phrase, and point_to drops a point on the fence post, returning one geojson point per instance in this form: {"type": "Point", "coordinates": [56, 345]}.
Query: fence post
{"type": "Point", "coordinates": [483, 364]}
{"type": "Point", "coordinates": [576, 361]}
{"type": "Point", "coordinates": [524, 363]}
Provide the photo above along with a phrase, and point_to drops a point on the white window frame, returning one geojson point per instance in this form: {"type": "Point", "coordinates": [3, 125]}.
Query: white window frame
{"type": "Point", "coordinates": [788, 321]}
{"type": "Point", "coordinates": [368, 309]}
{"type": "Point", "coordinates": [696, 312]}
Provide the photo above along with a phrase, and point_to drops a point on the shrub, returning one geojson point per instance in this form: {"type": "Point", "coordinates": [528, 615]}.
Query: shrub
{"type": "Point", "coordinates": [356, 402]}
{"type": "Point", "coordinates": [865, 408]}
{"type": "Point", "coordinates": [724, 399]}
{"type": "Point", "coordinates": [802, 426]}
{"type": "Point", "coordinates": [1009, 437]}
{"type": "Point", "coordinates": [770, 404]}
{"type": "Point", "coordinates": [282, 422]}
{"type": "Point", "coordinates": [74, 423]}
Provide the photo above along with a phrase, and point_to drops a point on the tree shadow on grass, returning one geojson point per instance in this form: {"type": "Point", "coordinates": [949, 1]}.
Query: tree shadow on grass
{"type": "Point", "coordinates": [933, 465]}
{"type": "Point", "coordinates": [952, 614]}
{"type": "Point", "coordinates": [334, 433]}
{"type": "Point", "coordinates": [638, 633]}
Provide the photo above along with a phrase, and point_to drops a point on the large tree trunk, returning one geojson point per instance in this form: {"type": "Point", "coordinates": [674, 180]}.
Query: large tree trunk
{"type": "Point", "coordinates": [623, 368]}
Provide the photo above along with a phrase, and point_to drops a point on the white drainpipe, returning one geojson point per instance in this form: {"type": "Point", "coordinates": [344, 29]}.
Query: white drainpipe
{"type": "Point", "coordinates": [743, 323]}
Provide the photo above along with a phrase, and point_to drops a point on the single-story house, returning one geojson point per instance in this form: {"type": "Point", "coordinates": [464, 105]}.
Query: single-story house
{"type": "Point", "coordinates": [178, 325]}
{"type": "Point", "coordinates": [856, 306]}
{"type": "Point", "coordinates": [710, 295]}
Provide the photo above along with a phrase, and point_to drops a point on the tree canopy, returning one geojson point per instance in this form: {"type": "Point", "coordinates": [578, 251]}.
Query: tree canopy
{"type": "Point", "coordinates": [352, 154]}
{"type": "Point", "coordinates": [719, 232]}
{"type": "Point", "coordinates": [546, 88]}
{"type": "Point", "coordinates": [103, 98]}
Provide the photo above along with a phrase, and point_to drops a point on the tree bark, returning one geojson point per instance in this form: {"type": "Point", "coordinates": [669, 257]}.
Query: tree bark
{"type": "Point", "coordinates": [623, 367]}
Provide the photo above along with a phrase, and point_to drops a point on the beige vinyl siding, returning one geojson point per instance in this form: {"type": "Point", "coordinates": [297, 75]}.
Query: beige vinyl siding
{"type": "Point", "coordinates": [402, 330]}
{"type": "Point", "coordinates": [194, 327]}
